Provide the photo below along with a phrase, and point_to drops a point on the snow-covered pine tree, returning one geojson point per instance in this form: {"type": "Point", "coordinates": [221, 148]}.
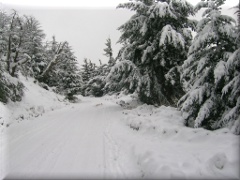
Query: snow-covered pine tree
{"type": "Point", "coordinates": [10, 88]}
{"type": "Point", "coordinates": [125, 76]}
{"type": "Point", "coordinates": [205, 68]}
{"type": "Point", "coordinates": [71, 83]}
{"type": "Point", "coordinates": [109, 52]}
{"type": "Point", "coordinates": [231, 89]}
{"type": "Point", "coordinates": [95, 86]}
{"type": "Point", "coordinates": [155, 44]}
{"type": "Point", "coordinates": [88, 70]}
{"type": "Point", "coordinates": [61, 70]}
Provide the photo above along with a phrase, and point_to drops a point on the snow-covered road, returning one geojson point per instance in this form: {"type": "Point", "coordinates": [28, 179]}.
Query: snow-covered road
{"type": "Point", "coordinates": [70, 143]}
{"type": "Point", "coordinates": [96, 138]}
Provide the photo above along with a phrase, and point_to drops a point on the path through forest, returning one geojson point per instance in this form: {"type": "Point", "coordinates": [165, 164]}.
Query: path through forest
{"type": "Point", "coordinates": [96, 138]}
{"type": "Point", "coordinates": [70, 143]}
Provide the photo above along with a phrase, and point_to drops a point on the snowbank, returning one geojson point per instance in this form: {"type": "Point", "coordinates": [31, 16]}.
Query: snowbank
{"type": "Point", "coordinates": [131, 140]}
{"type": "Point", "coordinates": [3, 115]}
{"type": "Point", "coordinates": [36, 101]}
{"type": "Point", "coordinates": [154, 143]}
{"type": "Point", "coordinates": [129, 101]}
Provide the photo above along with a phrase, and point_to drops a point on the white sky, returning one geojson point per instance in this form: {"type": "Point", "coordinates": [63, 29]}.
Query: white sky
{"type": "Point", "coordinates": [85, 24]}
{"type": "Point", "coordinates": [82, 3]}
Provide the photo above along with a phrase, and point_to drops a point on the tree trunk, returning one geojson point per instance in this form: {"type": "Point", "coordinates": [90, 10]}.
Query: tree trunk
{"type": "Point", "coordinates": [9, 45]}
{"type": "Point", "coordinates": [53, 61]}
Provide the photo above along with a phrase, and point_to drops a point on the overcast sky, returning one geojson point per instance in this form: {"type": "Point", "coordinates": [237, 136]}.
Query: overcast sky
{"type": "Point", "coordinates": [85, 24]}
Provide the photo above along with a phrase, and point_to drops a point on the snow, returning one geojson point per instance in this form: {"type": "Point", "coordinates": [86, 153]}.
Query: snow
{"type": "Point", "coordinates": [172, 36]}
{"type": "Point", "coordinates": [161, 9]}
{"type": "Point", "coordinates": [219, 71]}
{"type": "Point", "coordinates": [159, 146]}
{"type": "Point", "coordinates": [147, 51]}
{"type": "Point", "coordinates": [22, 61]}
{"type": "Point", "coordinates": [144, 27]}
{"type": "Point", "coordinates": [34, 104]}
{"type": "Point", "coordinates": [201, 65]}
{"type": "Point", "coordinates": [109, 137]}
{"type": "Point", "coordinates": [204, 112]}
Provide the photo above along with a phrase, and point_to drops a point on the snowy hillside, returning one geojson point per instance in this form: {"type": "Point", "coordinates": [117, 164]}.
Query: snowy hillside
{"type": "Point", "coordinates": [108, 137]}
{"type": "Point", "coordinates": [36, 102]}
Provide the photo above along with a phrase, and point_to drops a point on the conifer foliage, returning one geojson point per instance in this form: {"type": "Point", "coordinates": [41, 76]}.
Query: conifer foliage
{"type": "Point", "coordinates": [20, 44]}
{"type": "Point", "coordinates": [109, 52]}
{"type": "Point", "coordinates": [209, 72]}
{"type": "Point", "coordinates": [88, 72]}
{"type": "Point", "coordinates": [231, 89]}
{"type": "Point", "coordinates": [22, 50]}
{"type": "Point", "coordinates": [96, 75]}
{"type": "Point", "coordinates": [60, 69]}
{"type": "Point", "coordinates": [155, 44]}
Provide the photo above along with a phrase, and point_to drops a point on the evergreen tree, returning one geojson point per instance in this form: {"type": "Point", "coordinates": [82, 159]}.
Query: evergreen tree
{"type": "Point", "coordinates": [124, 76]}
{"type": "Point", "coordinates": [155, 44]}
{"type": "Point", "coordinates": [231, 89]}
{"type": "Point", "coordinates": [109, 52]}
{"type": "Point", "coordinates": [72, 84]}
{"type": "Point", "coordinates": [205, 68]}
{"type": "Point", "coordinates": [96, 84]}
{"type": "Point", "coordinates": [10, 88]}
{"type": "Point", "coordinates": [88, 70]}
{"type": "Point", "coordinates": [61, 70]}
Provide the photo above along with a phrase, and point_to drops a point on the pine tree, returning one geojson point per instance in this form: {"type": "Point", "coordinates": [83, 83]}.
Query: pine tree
{"type": "Point", "coordinates": [10, 88]}
{"type": "Point", "coordinates": [205, 68]}
{"type": "Point", "coordinates": [71, 84]}
{"type": "Point", "coordinates": [109, 53]}
{"type": "Point", "coordinates": [88, 70]}
{"type": "Point", "coordinates": [61, 70]}
{"type": "Point", "coordinates": [155, 44]}
{"type": "Point", "coordinates": [231, 89]}
{"type": "Point", "coordinates": [96, 84]}
{"type": "Point", "coordinates": [123, 77]}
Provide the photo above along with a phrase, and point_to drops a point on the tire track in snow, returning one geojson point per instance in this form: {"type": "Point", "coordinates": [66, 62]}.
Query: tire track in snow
{"type": "Point", "coordinates": [70, 142]}
{"type": "Point", "coordinates": [111, 152]}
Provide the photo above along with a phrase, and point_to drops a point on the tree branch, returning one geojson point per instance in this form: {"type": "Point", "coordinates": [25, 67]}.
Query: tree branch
{"type": "Point", "coordinates": [9, 49]}
{"type": "Point", "coordinates": [54, 60]}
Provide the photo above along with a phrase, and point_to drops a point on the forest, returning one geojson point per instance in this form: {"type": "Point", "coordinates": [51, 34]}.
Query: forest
{"type": "Point", "coordinates": [167, 106]}
{"type": "Point", "coordinates": [159, 60]}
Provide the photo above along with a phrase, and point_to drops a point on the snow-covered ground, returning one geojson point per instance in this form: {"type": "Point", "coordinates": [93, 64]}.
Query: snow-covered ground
{"type": "Point", "coordinates": [45, 137]}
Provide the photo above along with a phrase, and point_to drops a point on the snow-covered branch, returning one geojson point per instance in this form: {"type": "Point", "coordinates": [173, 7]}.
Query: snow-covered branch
{"type": "Point", "coordinates": [22, 61]}
{"type": "Point", "coordinates": [54, 59]}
